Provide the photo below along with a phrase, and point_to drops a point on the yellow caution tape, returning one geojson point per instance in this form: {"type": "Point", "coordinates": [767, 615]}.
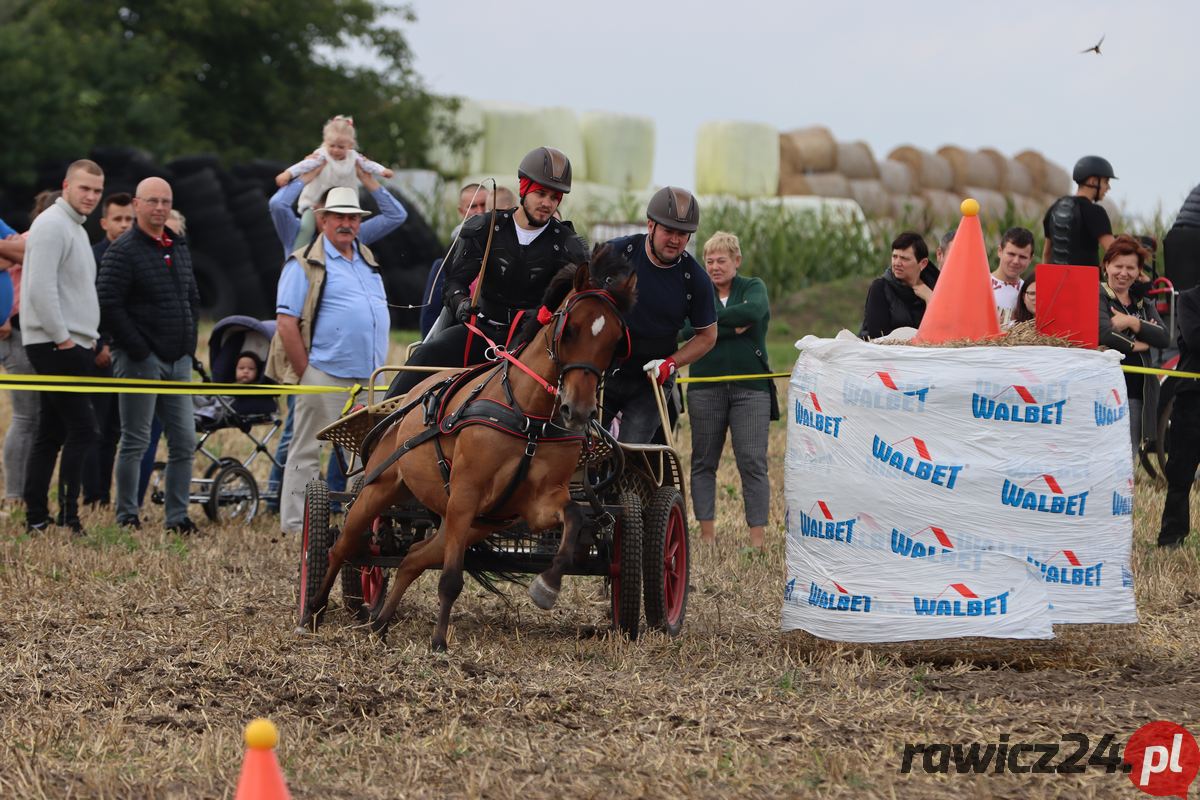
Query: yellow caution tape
{"type": "Point", "coordinates": [1171, 373]}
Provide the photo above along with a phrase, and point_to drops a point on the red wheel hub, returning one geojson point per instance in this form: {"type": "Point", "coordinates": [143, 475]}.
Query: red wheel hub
{"type": "Point", "coordinates": [675, 565]}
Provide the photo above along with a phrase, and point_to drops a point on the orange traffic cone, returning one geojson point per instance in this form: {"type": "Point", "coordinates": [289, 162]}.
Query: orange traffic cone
{"type": "Point", "coordinates": [261, 777]}
{"type": "Point", "coordinates": [962, 306]}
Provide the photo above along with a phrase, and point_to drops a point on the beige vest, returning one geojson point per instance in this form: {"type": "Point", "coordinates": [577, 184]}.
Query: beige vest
{"type": "Point", "coordinates": [311, 259]}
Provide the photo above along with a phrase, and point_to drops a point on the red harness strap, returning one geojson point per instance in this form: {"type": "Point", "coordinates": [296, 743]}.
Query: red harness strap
{"type": "Point", "coordinates": [501, 351]}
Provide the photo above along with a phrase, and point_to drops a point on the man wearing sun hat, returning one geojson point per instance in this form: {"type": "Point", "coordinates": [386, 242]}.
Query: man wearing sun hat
{"type": "Point", "coordinates": [332, 330]}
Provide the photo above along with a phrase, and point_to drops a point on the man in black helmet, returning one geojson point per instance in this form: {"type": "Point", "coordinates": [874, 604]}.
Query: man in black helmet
{"type": "Point", "coordinates": [528, 247]}
{"type": "Point", "coordinates": [672, 287]}
{"type": "Point", "coordinates": [1077, 226]}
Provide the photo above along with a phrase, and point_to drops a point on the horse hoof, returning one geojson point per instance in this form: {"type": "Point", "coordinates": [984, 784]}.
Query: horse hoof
{"type": "Point", "coordinates": [542, 595]}
{"type": "Point", "coordinates": [438, 645]}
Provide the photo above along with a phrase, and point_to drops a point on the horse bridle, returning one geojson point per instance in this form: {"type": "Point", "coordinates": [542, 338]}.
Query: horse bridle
{"type": "Point", "coordinates": [560, 324]}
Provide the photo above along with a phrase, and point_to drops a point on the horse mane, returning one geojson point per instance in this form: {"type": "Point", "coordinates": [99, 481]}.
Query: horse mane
{"type": "Point", "coordinates": [606, 269]}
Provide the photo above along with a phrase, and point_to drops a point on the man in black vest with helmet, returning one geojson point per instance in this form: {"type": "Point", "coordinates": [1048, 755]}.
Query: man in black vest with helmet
{"type": "Point", "coordinates": [672, 287]}
{"type": "Point", "coordinates": [1077, 226]}
{"type": "Point", "coordinates": [528, 247]}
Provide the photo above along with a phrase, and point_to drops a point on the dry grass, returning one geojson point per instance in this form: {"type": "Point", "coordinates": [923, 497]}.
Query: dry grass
{"type": "Point", "coordinates": [129, 664]}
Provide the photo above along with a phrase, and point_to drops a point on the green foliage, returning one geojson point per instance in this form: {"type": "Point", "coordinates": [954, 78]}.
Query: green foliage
{"type": "Point", "coordinates": [791, 248]}
{"type": "Point", "coordinates": [243, 78]}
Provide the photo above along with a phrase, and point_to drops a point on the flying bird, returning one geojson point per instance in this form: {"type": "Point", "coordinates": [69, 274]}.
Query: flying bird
{"type": "Point", "coordinates": [1094, 48]}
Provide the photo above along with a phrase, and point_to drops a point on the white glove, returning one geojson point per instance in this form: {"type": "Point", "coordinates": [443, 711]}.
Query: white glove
{"type": "Point", "coordinates": [661, 368]}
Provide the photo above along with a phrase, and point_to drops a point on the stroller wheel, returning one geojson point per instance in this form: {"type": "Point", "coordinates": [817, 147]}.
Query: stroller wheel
{"type": "Point", "coordinates": [234, 495]}
{"type": "Point", "coordinates": [217, 466]}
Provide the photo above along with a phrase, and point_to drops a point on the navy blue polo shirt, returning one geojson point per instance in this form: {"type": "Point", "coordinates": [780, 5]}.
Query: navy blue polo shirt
{"type": "Point", "coordinates": [666, 296]}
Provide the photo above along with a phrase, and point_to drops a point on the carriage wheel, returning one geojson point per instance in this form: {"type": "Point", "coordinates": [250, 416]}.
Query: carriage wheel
{"type": "Point", "coordinates": [216, 466]}
{"type": "Point", "coordinates": [665, 562]}
{"type": "Point", "coordinates": [363, 589]}
{"type": "Point", "coordinates": [625, 569]}
{"type": "Point", "coordinates": [233, 496]}
{"type": "Point", "coordinates": [315, 541]}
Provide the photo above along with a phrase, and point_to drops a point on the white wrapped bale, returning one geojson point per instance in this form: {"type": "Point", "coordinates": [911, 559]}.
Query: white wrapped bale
{"type": "Point", "coordinates": [856, 161]}
{"type": "Point", "coordinates": [619, 148]}
{"type": "Point", "coordinates": [737, 158]}
{"type": "Point", "coordinates": [467, 119]}
{"type": "Point", "coordinates": [939, 492]}
{"type": "Point", "coordinates": [511, 131]}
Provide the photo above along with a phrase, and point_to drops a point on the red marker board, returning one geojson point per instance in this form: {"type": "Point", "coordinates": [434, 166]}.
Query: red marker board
{"type": "Point", "coordinates": [1068, 303]}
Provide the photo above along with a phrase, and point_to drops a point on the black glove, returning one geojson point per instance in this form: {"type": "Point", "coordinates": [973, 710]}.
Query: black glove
{"type": "Point", "coordinates": [464, 310]}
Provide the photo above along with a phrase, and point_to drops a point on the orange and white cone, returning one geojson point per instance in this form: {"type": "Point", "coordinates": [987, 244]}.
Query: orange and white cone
{"type": "Point", "coordinates": [261, 778]}
{"type": "Point", "coordinates": [962, 306]}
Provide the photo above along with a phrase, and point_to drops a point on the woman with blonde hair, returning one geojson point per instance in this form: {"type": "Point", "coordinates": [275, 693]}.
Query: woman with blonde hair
{"type": "Point", "coordinates": [743, 407]}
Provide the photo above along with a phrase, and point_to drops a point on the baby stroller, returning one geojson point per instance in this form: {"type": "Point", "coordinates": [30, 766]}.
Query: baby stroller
{"type": "Point", "coordinates": [228, 491]}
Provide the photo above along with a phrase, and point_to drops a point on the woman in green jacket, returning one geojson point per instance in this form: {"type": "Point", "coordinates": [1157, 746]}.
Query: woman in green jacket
{"type": "Point", "coordinates": [742, 407]}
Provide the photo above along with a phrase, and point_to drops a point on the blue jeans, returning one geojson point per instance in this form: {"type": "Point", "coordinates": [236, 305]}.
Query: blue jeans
{"type": "Point", "coordinates": [137, 412]}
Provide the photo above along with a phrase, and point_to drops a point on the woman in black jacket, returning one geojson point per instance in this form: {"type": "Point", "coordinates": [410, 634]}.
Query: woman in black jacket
{"type": "Point", "coordinates": [1130, 323]}
{"type": "Point", "coordinates": [898, 298]}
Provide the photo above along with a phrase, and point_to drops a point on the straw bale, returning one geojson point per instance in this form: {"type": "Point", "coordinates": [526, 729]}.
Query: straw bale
{"type": "Point", "coordinates": [1057, 180]}
{"type": "Point", "coordinates": [897, 177]}
{"type": "Point", "coordinates": [1028, 207]}
{"type": "Point", "coordinates": [870, 194]}
{"type": "Point", "coordinates": [855, 160]}
{"type": "Point", "coordinates": [971, 168]}
{"type": "Point", "coordinates": [930, 170]}
{"type": "Point", "coordinates": [821, 184]}
{"type": "Point", "coordinates": [810, 149]}
{"type": "Point", "coordinates": [909, 208]}
{"type": "Point", "coordinates": [943, 206]}
{"type": "Point", "coordinates": [1035, 163]}
{"type": "Point", "coordinates": [992, 204]}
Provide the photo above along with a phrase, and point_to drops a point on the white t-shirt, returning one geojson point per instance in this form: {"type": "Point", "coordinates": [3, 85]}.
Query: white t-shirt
{"type": "Point", "coordinates": [525, 237]}
{"type": "Point", "coordinates": [1006, 296]}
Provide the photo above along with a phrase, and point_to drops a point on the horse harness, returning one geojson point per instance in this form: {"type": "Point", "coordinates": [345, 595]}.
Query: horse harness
{"type": "Point", "coordinates": [505, 417]}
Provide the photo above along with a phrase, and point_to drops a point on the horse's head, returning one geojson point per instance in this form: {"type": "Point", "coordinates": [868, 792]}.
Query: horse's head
{"type": "Point", "coordinates": [589, 333]}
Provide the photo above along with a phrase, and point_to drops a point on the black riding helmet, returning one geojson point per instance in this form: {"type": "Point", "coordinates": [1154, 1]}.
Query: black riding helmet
{"type": "Point", "coordinates": [1092, 167]}
{"type": "Point", "coordinates": [675, 208]}
{"type": "Point", "coordinates": [548, 166]}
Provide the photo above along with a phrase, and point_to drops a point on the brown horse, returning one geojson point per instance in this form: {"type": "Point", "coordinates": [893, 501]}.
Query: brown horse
{"type": "Point", "coordinates": [499, 471]}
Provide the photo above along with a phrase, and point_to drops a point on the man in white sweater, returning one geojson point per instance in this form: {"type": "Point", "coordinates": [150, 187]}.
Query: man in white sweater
{"type": "Point", "coordinates": [60, 318]}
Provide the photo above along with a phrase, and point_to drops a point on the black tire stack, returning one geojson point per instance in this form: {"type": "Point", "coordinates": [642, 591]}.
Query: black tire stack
{"type": "Point", "coordinates": [235, 251]}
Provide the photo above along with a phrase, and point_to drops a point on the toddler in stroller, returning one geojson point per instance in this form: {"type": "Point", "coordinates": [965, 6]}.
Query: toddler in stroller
{"type": "Point", "coordinates": [237, 352]}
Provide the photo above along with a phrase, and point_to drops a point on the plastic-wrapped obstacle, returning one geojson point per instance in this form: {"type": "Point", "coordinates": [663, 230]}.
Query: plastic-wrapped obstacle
{"type": "Point", "coordinates": [938, 492]}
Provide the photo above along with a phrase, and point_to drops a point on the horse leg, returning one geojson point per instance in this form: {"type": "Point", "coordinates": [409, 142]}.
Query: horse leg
{"type": "Point", "coordinates": [545, 587]}
{"type": "Point", "coordinates": [421, 556]}
{"type": "Point", "coordinates": [350, 542]}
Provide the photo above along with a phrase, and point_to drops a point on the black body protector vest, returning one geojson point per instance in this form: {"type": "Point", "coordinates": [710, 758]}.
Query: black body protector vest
{"type": "Point", "coordinates": [1065, 226]}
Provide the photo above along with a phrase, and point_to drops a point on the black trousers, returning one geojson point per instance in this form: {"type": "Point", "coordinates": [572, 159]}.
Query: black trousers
{"type": "Point", "coordinates": [66, 422]}
{"type": "Point", "coordinates": [98, 466]}
{"type": "Point", "coordinates": [452, 347]}
{"type": "Point", "coordinates": [1183, 447]}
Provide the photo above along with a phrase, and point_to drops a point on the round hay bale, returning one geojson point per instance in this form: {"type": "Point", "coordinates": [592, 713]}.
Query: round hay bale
{"type": "Point", "coordinates": [999, 162]}
{"type": "Point", "coordinates": [1028, 208]}
{"type": "Point", "coordinates": [807, 150]}
{"type": "Point", "coordinates": [897, 177]}
{"type": "Point", "coordinates": [740, 159]}
{"type": "Point", "coordinates": [970, 168]}
{"type": "Point", "coordinates": [856, 161]}
{"type": "Point", "coordinates": [943, 206]}
{"type": "Point", "coordinates": [930, 170]}
{"type": "Point", "coordinates": [871, 196]}
{"type": "Point", "coordinates": [818, 184]}
{"type": "Point", "coordinates": [511, 131]}
{"type": "Point", "coordinates": [1057, 181]}
{"type": "Point", "coordinates": [992, 204]}
{"type": "Point", "coordinates": [1035, 162]}
{"type": "Point", "coordinates": [1017, 179]}
{"type": "Point", "coordinates": [909, 209]}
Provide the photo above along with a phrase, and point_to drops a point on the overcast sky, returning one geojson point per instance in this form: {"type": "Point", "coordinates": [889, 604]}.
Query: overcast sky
{"type": "Point", "coordinates": [1007, 75]}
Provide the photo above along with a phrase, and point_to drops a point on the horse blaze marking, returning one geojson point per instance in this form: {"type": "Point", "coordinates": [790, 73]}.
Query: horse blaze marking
{"type": "Point", "coordinates": [598, 326]}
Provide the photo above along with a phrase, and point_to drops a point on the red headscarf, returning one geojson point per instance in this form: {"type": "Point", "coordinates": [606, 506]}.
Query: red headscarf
{"type": "Point", "coordinates": [526, 186]}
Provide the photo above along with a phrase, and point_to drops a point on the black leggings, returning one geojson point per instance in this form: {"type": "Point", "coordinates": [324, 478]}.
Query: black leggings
{"type": "Point", "coordinates": [449, 348]}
